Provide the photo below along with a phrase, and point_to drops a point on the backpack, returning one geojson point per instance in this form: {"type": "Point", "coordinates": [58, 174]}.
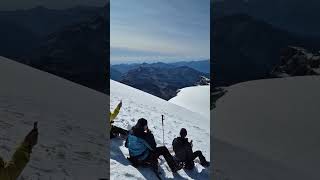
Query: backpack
{"type": "Point", "coordinates": [181, 148]}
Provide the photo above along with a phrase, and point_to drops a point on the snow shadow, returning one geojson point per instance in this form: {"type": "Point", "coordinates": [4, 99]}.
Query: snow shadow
{"type": "Point", "coordinates": [147, 173]}
{"type": "Point", "coordinates": [194, 174]}
{"type": "Point", "coordinates": [116, 153]}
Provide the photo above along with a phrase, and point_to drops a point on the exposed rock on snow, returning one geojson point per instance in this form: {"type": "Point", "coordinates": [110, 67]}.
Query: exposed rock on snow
{"type": "Point", "coordinates": [297, 61]}
{"type": "Point", "coordinates": [215, 94]}
{"type": "Point", "coordinates": [203, 81]}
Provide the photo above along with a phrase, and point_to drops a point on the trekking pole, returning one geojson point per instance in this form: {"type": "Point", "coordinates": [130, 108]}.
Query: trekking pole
{"type": "Point", "coordinates": [162, 129]}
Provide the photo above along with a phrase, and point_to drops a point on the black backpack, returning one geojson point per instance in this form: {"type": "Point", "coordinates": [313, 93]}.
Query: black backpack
{"type": "Point", "coordinates": [181, 148]}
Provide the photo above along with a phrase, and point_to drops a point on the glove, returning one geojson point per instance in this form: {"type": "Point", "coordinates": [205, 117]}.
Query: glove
{"type": "Point", "coordinates": [120, 104]}
{"type": "Point", "coordinates": [149, 131]}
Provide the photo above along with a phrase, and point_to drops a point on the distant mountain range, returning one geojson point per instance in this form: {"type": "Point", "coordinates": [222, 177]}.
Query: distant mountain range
{"type": "Point", "coordinates": [23, 30]}
{"type": "Point", "coordinates": [16, 40]}
{"type": "Point", "coordinates": [72, 43]}
{"type": "Point", "coordinates": [291, 15]}
{"type": "Point", "coordinates": [245, 48]}
{"type": "Point", "coordinates": [162, 82]}
{"type": "Point", "coordinates": [162, 79]}
{"type": "Point", "coordinates": [43, 21]}
{"type": "Point", "coordinates": [78, 53]}
{"type": "Point", "coordinates": [115, 74]}
{"type": "Point", "coordinates": [202, 65]}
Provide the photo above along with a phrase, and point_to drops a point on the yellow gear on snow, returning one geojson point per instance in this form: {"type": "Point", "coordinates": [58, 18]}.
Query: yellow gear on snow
{"type": "Point", "coordinates": [114, 114]}
{"type": "Point", "coordinates": [12, 169]}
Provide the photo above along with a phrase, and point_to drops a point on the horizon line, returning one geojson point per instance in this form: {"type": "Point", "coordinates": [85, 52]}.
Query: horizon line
{"type": "Point", "coordinates": [144, 62]}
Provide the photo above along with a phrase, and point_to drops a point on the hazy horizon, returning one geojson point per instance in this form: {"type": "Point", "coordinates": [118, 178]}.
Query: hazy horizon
{"type": "Point", "coordinates": [156, 61]}
{"type": "Point", "coordinates": [159, 30]}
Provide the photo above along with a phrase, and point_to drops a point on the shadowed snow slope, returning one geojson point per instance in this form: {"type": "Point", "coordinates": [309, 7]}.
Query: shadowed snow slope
{"type": "Point", "coordinates": [72, 124]}
{"type": "Point", "coordinates": [138, 104]}
{"type": "Point", "coordinates": [276, 119]}
{"type": "Point", "coordinates": [195, 98]}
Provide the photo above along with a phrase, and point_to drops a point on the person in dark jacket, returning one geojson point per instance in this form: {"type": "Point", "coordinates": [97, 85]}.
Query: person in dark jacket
{"type": "Point", "coordinates": [143, 148]}
{"type": "Point", "coordinates": [184, 153]}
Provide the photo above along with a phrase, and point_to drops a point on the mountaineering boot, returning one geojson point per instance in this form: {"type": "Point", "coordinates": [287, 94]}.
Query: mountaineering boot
{"type": "Point", "coordinates": [203, 160]}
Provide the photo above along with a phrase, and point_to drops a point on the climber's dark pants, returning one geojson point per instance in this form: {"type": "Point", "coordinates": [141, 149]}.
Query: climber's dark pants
{"type": "Point", "coordinates": [154, 155]}
{"type": "Point", "coordinates": [189, 164]}
{"type": "Point", "coordinates": [115, 131]}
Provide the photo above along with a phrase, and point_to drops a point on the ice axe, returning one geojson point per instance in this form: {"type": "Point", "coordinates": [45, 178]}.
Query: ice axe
{"type": "Point", "coordinates": [162, 117]}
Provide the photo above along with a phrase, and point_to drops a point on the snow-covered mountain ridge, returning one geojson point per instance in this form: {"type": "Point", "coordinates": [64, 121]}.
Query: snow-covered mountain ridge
{"type": "Point", "coordinates": [194, 98]}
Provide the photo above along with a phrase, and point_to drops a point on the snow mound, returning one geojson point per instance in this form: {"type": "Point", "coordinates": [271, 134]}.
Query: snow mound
{"type": "Point", "coordinates": [277, 119]}
{"type": "Point", "coordinates": [195, 98]}
{"type": "Point", "coordinates": [138, 104]}
{"type": "Point", "coordinates": [72, 124]}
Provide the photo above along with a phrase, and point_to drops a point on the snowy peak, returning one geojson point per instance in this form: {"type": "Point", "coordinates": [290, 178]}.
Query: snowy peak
{"type": "Point", "coordinates": [194, 98]}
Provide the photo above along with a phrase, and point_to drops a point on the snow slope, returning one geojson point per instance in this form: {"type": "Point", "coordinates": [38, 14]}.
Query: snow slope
{"type": "Point", "coordinates": [276, 120]}
{"type": "Point", "coordinates": [138, 104]}
{"type": "Point", "coordinates": [72, 124]}
{"type": "Point", "coordinates": [195, 98]}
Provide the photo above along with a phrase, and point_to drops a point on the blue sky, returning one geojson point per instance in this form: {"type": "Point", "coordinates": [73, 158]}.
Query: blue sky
{"type": "Point", "coordinates": [159, 30]}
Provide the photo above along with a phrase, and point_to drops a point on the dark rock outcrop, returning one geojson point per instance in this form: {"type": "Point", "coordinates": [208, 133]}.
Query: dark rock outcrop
{"type": "Point", "coordinates": [297, 61]}
{"type": "Point", "coordinates": [203, 81]}
{"type": "Point", "coordinates": [245, 48]}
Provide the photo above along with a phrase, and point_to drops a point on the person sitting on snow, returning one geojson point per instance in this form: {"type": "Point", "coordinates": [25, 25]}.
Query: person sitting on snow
{"type": "Point", "coordinates": [11, 170]}
{"type": "Point", "coordinates": [143, 148]}
{"type": "Point", "coordinates": [184, 153]}
{"type": "Point", "coordinates": [115, 131]}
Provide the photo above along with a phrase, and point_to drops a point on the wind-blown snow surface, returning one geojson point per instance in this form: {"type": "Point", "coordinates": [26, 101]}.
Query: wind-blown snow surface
{"type": "Point", "coordinates": [276, 123]}
{"type": "Point", "coordinates": [138, 104]}
{"type": "Point", "coordinates": [72, 124]}
{"type": "Point", "coordinates": [195, 98]}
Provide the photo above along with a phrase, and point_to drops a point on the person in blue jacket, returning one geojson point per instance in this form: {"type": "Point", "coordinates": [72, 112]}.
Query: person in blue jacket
{"type": "Point", "coordinates": [143, 148]}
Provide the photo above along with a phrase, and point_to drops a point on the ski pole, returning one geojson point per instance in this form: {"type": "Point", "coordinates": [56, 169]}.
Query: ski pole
{"type": "Point", "coordinates": [162, 129]}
